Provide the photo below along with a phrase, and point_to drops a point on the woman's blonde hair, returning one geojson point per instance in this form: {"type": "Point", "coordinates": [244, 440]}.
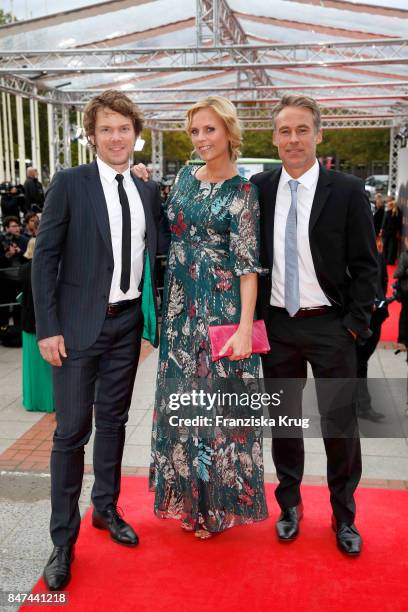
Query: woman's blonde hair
{"type": "Point", "coordinates": [392, 205]}
{"type": "Point", "coordinates": [228, 113]}
{"type": "Point", "coordinates": [29, 252]}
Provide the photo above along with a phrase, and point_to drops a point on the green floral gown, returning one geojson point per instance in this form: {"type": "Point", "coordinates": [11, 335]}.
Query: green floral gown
{"type": "Point", "coordinates": [217, 482]}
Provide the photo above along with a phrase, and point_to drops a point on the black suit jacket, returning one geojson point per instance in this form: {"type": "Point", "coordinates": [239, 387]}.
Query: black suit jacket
{"type": "Point", "coordinates": [73, 259]}
{"type": "Point", "coordinates": [27, 303]}
{"type": "Point", "coordinates": [342, 243]}
{"type": "Point", "coordinates": [34, 193]}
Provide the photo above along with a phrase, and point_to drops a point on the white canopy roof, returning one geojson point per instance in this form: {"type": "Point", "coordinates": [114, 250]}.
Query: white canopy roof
{"type": "Point", "coordinates": [152, 45]}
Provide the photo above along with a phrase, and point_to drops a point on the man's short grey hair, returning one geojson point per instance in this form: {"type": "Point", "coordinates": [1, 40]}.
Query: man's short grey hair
{"type": "Point", "coordinates": [300, 102]}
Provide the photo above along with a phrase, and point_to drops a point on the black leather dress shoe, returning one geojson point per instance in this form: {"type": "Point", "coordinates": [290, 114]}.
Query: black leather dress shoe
{"type": "Point", "coordinates": [287, 525]}
{"type": "Point", "coordinates": [57, 572]}
{"type": "Point", "coordinates": [347, 537]}
{"type": "Point", "coordinates": [111, 520]}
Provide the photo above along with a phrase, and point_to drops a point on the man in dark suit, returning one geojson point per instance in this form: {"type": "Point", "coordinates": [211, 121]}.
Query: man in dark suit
{"type": "Point", "coordinates": [95, 297]}
{"type": "Point", "coordinates": [33, 189]}
{"type": "Point", "coordinates": [317, 239]}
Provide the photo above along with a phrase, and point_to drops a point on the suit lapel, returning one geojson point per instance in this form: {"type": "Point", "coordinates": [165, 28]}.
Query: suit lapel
{"type": "Point", "coordinates": [145, 197]}
{"type": "Point", "coordinates": [149, 307]}
{"type": "Point", "coordinates": [97, 199]}
{"type": "Point", "coordinates": [269, 212]}
{"type": "Point", "coordinates": [323, 191]}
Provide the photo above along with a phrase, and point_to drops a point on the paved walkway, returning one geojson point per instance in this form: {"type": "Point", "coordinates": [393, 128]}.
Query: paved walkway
{"type": "Point", "coordinates": [25, 442]}
{"type": "Point", "coordinates": [25, 438]}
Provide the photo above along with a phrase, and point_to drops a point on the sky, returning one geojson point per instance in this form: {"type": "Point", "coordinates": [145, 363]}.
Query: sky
{"type": "Point", "coordinates": [27, 9]}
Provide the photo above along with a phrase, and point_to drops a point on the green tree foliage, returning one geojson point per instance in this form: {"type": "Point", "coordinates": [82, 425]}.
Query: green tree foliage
{"type": "Point", "coordinates": [43, 124]}
{"type": "Point", "coordinates": [354, 146]}
{"type": "Point", "coordinates": [145, 156]}
{"type": "Point", "coordinates": [6, 17]}
{"type": "Point", "coordinates": [258, 144]}
{"type": "Point", "coordinates": [176, 147]}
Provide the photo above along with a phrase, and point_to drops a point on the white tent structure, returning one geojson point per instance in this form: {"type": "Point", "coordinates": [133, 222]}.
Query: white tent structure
{"type": "Point", "coordinates": [351, 55]}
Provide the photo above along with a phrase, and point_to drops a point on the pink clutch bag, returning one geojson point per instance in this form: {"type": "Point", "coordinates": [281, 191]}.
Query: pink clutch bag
{"type": "Point", "coordinates": [219, 334]}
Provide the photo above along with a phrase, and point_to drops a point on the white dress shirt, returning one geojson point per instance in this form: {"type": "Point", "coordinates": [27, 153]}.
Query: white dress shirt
{"type": "Point", "coordinates": [311, 293]}
{"type": "Point", "coordinates": [138, 230]}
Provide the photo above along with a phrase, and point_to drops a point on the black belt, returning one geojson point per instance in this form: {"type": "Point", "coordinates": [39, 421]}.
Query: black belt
{"type": "Point", "coordinates": [117, 307]}
{"type": "Point", "coordinates": [304, 313]}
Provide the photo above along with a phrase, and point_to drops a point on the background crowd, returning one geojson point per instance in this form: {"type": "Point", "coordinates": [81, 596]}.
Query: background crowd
{"type": "Point", "coordinates": [21, 207]}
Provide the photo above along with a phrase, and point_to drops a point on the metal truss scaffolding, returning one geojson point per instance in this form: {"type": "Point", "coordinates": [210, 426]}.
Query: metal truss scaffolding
{"type": "Point", "coordinates": [360, 79]}
{"type": "Point", "coordinates": [395, 146]}
{"type": "Point", "coordinates": [216, 25]}
{"type": "Point", "coordinates": [60, 137]}
{"type": "Point", "coordinates": [157, 154]}
{"type": "Point", "coordinates": [43, 63]}
{"type": "Point", "coordinates": [345, 93]}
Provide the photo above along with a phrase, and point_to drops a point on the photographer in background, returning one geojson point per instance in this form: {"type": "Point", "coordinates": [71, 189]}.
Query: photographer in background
{"type": "Point", "coordinates": [12, 247]}
{"type": "Point", "coordinates": [13, 242]}
{"type": "Point", "coordinates": [12, 200]}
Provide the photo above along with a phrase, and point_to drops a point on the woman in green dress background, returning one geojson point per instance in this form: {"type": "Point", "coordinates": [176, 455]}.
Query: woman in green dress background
{"type": "Point", "coordinates": [37, 383]}
{"type": "Point", "coordinates": [214, 483]}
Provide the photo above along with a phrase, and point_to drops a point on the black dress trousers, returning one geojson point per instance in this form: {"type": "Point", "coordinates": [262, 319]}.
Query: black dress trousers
{"type": "Point", "coordinates": [326, 344]}
{"type": "Point", "coordinates": [97, 380]}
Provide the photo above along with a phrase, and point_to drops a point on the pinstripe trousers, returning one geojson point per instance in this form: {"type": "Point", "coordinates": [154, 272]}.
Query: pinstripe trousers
{"type": "Point", "coordinates": [99, 381]}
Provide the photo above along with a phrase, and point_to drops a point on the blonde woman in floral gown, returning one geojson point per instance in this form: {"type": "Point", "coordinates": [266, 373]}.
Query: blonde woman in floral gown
{"type": "Point", "coordinates": [209, 483]}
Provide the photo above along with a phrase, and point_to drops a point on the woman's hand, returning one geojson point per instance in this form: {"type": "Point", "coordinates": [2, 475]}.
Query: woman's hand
{"type": "Point", "coordinates": [241, 341]}
{"type": "Point", "coordinates": [241, 344]}
{"type": "Point", "coordinates": [140, 171]}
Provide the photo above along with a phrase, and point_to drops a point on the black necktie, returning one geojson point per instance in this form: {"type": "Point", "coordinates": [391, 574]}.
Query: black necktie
{"type": "Point", "coordinates": [124, 202]}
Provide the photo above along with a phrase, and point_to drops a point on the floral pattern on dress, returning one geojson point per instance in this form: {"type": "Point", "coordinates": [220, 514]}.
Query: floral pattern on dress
{"type": "Point", "coordinates": [210, 482]}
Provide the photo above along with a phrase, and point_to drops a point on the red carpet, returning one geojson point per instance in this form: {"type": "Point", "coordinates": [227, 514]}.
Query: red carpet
{"type": "Point", "coordinates": [389, 330]}
{"type": "Point", "coordinates": [246, 568]}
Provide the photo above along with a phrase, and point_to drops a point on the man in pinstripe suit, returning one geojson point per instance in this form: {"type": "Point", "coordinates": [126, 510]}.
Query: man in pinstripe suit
{"type": "Point", "coordinates": [94, 293]}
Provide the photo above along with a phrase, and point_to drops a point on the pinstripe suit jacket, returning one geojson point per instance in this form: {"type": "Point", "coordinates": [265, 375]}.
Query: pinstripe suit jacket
{"type": "Point", "coordinates": [73, 260]}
